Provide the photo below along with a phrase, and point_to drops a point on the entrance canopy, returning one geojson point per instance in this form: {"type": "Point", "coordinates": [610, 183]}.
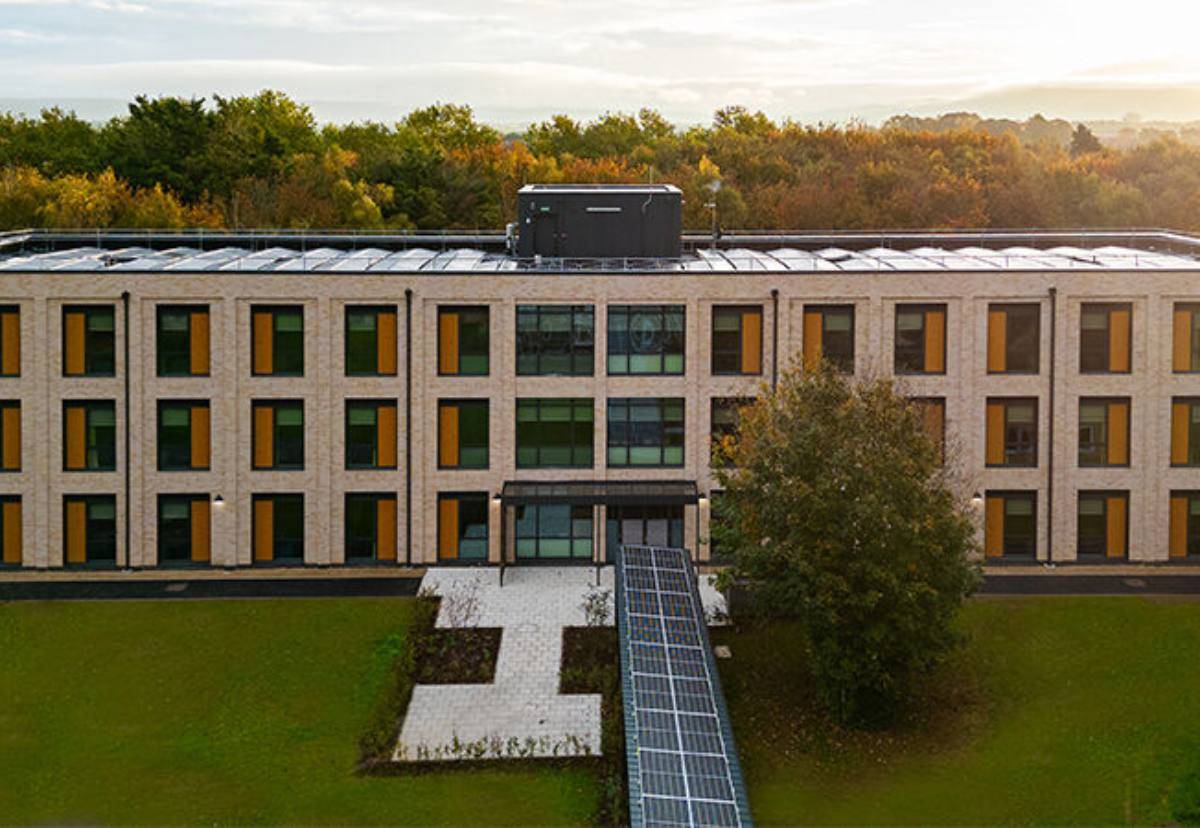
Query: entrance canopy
{"type": "Point", "coordinates": [599, 492]}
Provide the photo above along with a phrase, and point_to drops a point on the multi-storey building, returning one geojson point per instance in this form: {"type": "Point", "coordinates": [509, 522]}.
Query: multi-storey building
{"type": "Point", "coordinates": [240, 400]}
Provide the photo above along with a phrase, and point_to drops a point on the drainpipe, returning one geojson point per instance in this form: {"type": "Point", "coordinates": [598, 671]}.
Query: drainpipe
{"type": "Point", "coordinates": [128, 469]}
{"type": "Point", "coordinates": [774, 337]}
{"type": "Point", "coordinates": [1050, 437]}
{"type": "Point", "coordinates": [408, 295]}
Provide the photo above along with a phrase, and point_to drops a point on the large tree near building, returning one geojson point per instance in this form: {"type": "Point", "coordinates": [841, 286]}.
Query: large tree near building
{"type": "Point", "coordinates": [838, 509]}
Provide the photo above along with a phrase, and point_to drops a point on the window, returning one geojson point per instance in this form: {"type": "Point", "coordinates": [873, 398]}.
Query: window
{"type": "Point", "coordinates": [463, 341]}
{"type": "Point", "coordinates": [649, 524]}
{"type": "Point", "coordinates": [1103, 432]}
{"type": "Point", "coordinates": [645, 432]}
{"type": "Point", "coordinates": [1103, 524]}
{"type": "Point", "coordinates": [1185, 431]}
{"type": "Point", "coordinates": [1186, 352]}
{"type": "Point", "coordinates": [1012, 432]}
{"type": "Point", "coordinates": [1010, 525]}
{"type": "Point", "coordinates": [278, 528]}
{"type": "Point", "coordinates": [463, 526]}
{"type": "Point", "coordinates": [278, 340]}
{"type": "Point", "coordinates": [556, 340]}
{"type": "Point", "coordinates": [183, 340]}
{"type": "Point", "coordinates": [829, 335]}
{"type": "Point", "coordinates": [90, 529]}
{"type": "Point", "coordinates": [554, 532]}
{"type": "Point", "coordinates": [463, 434]}
{"type": "Point", "coordinates": [645, 339]}
{"type": "Point", "coordinates": [723, 424]}
{"type": "Point", "coordinates": [278, 434]}
{"type": "Point", "coordinates": [1185, 525]}
{"type": "Point", "coordinates": [737, 339]}
{"type": "Point", "coordinates": [555, 433]}
{"type": "Point", "coordinates": [10, 341]}
{"type": "Point", "coordinates": [370, 434]}
{"type": "Point", "coordinates": [920, 339]}
{"type": "Point", "coordinates": [90, 436]}
{"type": "Point", "coordinates": [183, 529]}
{"type": "Point", "coordinates": [1014, 338]}
{"type": "Point", "coordinates": [1105, 338]}
{"type": "Point", "coordinates": [10, 530]}
{"type": "Point", "coordinates": [183, 435]}
{"type": "Point", "coordinates": [10, 435]}
{"type": "Point", "coordinates": [370, 340]}
{"type": "Point", "coordinates": [932, 411]}
{"type": "Point", "coordinates": [370, 527]}
{"type": "Point", "coordinates": [89, 344]}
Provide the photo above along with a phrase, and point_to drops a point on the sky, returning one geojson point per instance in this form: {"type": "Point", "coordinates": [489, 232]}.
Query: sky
{"type": "Point", "coordinates": [519, 61]}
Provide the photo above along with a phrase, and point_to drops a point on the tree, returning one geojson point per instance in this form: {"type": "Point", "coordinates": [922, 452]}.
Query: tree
{"type": "Point", "coordinates": [837, 510]}
{"type": "Point", "coordinates": [1083, 141]}
{"type": "Point", "coordinates": [162, 142]}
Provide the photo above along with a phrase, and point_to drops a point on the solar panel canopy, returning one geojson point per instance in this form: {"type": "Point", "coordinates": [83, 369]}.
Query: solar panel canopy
{"type": "Point", "coordinates": [683, 765]}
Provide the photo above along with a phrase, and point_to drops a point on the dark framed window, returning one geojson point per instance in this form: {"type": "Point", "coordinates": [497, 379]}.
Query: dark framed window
{"type": "Point", "coordinates": [278, 348]}
{"type": "Point", "coordinates": [278, 434]}
{"type": "Point", "coordinates": [1185, 431]}
{"type": "Point", "coordinates": [182, 340]}
{"type": "Point", "coordinates": [932, 411]}
{"type": "Point", "coordinates": [1010, 528]}
{"type": "Point", "coordinates": [1105, 337]}
{"type": "Point", "coordinates": [10, 340]}
{"type": "Point", "coordinates": [554, 532]}
{"type": "Point", "coordinates": [89, 341]}
{"type": "Point", "coordinates": [555, 433]}
{"type": "Point", "coordinates": [1103, 431]}
{"type": "Point", "coordinates": [463, 434]}
{"type": "Point", "coordinates": [1102, 524]}
{"type": "Point", "coordinates": [1012, 432]}
{"type": "Point", "coordinates": [737, 339]}
{"type": "Point", "coordinates": [1185, 524]}
{"type": "Point", "coordinates": [183, 435]}
{"type": "Point", "coordinates": [645, 431]}
{"type": "Point", "coordinates": [644, 523]}
{"type": "Point", "coordinates": [920, 345]}
{"type": "Point", "coordinates": [463, 341]}
{"type": "Point", "coordinates": [1014, 338]}
{"type": "Point", "coordinates": [462, 526]}
{"type": "Point", "coordinates": [370, 526]}
{"type": "Point", "coordinates": [278, 528]}
{"type": "Point", "coordinates": [10, 435]}
{"type": "Point", "coordinates": [829, 335]}
{"type": "Point", "coordinates": [371, 340]}
{"type": "Point", "coordinates": [89, 435]}
{"type": "Point", "coordinates": [90, 529]}
{"type": "Point", "coordinates": [11, 534]}
{"type": "Point", "coordinates": [1186, 347]}
{"type": "Point", "coordinates": [556, 340]}
{"type": "Point", "coordinates": [183, 529]}
{"type": "Point", "coordinates": [646, 339]}
{"type": "Point", "coordinates": [371, 434]}
{"type": "Point", "coordinates": [724, 417]}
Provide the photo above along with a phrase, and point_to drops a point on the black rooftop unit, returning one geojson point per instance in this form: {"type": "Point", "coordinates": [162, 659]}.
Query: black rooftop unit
{"type": "Point", "coordinates": [605, 221]}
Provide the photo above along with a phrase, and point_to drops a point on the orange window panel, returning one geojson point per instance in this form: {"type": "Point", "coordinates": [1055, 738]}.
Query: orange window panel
{"type": "Point", "coordinates": [385, 333]}
{"type": "Point", "coordinates": [76, 448]}
{"type": "Point", "coordinates": [995, 434]}
{"type": "Point", "coordinates": [448, 343]}
{"type": "Point", "coordinates": [448, 529]}
{"type": "Point", "coordinates": [448, 436]}
{"type": "Point", "coordinates": [264, 530]}
{"type": "Point", "coordinates": [10, 426]}
{"type": "Point", "coordinates": [1180, 414]}
{"type": "Point", "coordinates": [200, 337]}
{"type": "Point", "coordinates": [935, 341]}
{"type": "Point", "coordinates": [997, 340]}
{"type": "Point", "coordinates": [1118, 433]}
{"type": "Point", "coordinates": [12, 531]}
{"type": "Point", "coordinates": [201, 437]}
{"type": "Point", "coordinates": [10, 343]}
{"type": "Point", "coordinates": [1181, 360]}
{"type": "Point", "coordinates": [264, 341]}
{"type": "Point", "coordinates": [201, 530]}
{"type": "Point", "coordinates": [76, 531]}
{"type": "Point", "coordinates": [1118, 518]}
{"type": "Point", "coordinates": [73, 362]}
{"type": "Point", "coordinates": [1119, 333]}
{"type": "Point", "coordinates": [385, 425]}
{"type": "Point", "coordinates": [752, 322]}
{"type": "Point", "coordinates": [814, 322]}
{"type": "Point", "coordinates": [993, 530]}
{"type": "Point", "coordinates": [264, 437]}
{"type": "Point", "coordinates": [1179, 521]}
{"type": "Point", "coordinates": [385, 532]}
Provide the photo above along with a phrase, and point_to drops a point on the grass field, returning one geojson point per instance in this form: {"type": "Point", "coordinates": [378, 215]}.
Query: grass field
{"type": "Point", "coordinates": [1059, 710]}
{"type": "Point", "coordinates": [225, 712]}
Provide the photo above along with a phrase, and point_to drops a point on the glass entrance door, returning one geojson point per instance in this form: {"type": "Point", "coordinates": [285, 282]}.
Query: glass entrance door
{"type": "Point", "coordinates": [647, 525]}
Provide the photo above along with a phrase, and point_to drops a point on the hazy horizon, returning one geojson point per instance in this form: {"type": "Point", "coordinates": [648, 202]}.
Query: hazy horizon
{"type": "Point", "coordinates": [518, 61]}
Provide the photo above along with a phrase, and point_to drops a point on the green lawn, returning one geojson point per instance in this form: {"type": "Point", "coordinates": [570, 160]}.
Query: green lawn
{"type": "Point", "coordinates": [225, 712]}
{"type": "Point", "coordinates": [1059, 710]}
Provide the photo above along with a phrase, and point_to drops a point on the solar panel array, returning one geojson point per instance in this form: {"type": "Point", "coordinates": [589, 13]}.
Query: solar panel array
{"type": "Point", "coordinates": [683, 766]}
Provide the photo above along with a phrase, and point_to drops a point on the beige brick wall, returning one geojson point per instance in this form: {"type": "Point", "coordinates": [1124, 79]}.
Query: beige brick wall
{"type": "Point", "coordinates": [324, 389]}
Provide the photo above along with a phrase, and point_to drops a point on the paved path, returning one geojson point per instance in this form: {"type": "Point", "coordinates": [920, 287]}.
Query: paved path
{"type": "Point", "coordinates": [521, 714]}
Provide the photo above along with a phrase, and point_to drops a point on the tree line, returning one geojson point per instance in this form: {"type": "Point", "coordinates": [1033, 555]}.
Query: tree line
{"type": "Point", "coordinates": [264, 161]}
